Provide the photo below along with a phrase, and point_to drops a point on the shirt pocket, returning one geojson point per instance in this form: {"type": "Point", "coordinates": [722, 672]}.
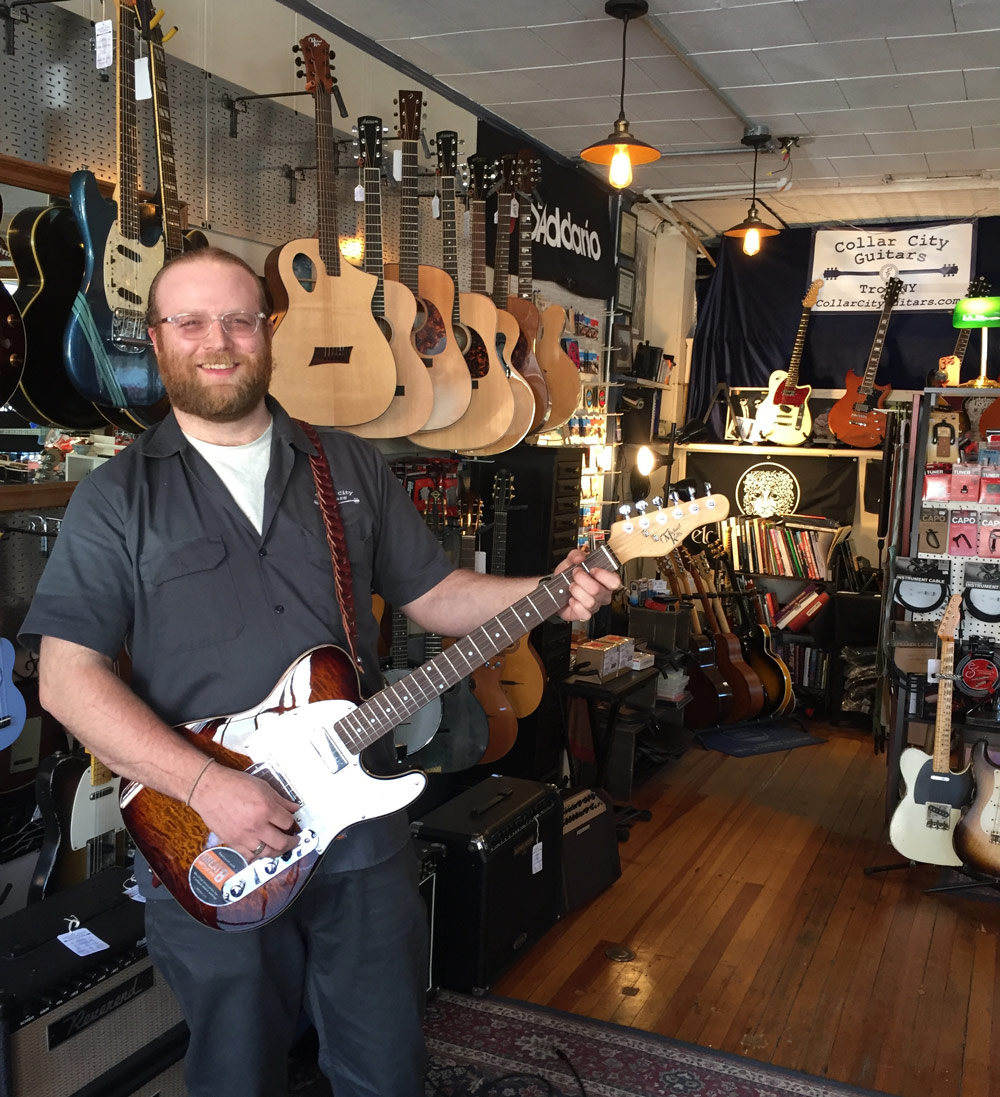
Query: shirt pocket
{"type": "Point", "coordinates": [189, 593]}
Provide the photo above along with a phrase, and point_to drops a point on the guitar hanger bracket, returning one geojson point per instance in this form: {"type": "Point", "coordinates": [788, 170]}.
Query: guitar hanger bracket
{"type": "Point", "coordinates": [9, 18]}
{"type": "Point", "coordinates": [237, 104]}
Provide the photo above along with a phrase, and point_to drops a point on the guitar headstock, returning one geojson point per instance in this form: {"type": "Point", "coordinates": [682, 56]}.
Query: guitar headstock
{"type": "Point", "coordinates": [527, 171]}
{"type": "Point", "coordinates": [812, 294]}
{"type": "Point", "coordinates": [410, 104]}
{"type": "Point", "coordinates": [314, 60]}
{"type": "Point", "coordinates": [503, 491]}
{"type": "Point", "coordinates": [979, 287]}
{"type": "Point", "coordinates": [893, 288]}
{"type": "Point", "coordinates": [447, 153]}
{"type": "Point", "coordinates": [482, 177]}
{"type": "Point", "coordinates": [949, 620]}
{"type": "Point", "coordinates": [370, 131]}
{"type": "Point", "coordinates": [658, 532]}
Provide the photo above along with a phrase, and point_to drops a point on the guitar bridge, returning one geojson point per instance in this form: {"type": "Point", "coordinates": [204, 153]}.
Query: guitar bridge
{"type": "Point", "coordinates": [326, 356]}
{"type": "Point", "coordinates": [128, 331]}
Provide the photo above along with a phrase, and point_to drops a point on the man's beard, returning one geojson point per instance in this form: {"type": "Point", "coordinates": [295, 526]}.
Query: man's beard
{"type": "Point", "coordinates": [216, 403]}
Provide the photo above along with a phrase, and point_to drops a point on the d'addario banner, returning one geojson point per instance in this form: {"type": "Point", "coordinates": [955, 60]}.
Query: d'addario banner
{"type": "Point", "coordinates": [571, 223]}
{"type": "Point", "coordinates": [933, 261]}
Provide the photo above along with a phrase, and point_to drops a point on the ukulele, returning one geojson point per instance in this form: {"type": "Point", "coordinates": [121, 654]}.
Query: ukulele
{"type": "Point", "coordinates": [336, 366]}
{"type": "Point", "coordinates": [474, 322]}
{"type": "Point", "coordinates": [783, 415]}
{"type": "Point", "coordinates": [108, 353]}
{"type": "Point", "coordinates": [433, 289]}
{"type": "Point", "coordinates": [393, 306]}
{"type": "Point", "coordinates": [856, 419]}
{"type": "Point", "coordinates": [312, 728]}
{"type": "Point", "coordinates": [507, 329]}
{"type": "Point", "coordinates": [12, 707]}
{"type": "Point", "coordinates": [562, 379]}
{"type": "Point", "coordinates": [924, 821]}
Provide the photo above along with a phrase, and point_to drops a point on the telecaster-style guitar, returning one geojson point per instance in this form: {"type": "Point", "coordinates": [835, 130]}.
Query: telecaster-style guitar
{"type": "Point", "coordinates": [783, 415]}
{"type": "Point", "coordinates": [923, 824]}
{"type": "Point", "coordinates": [857, 418]}
{"type": "Point", "coordinates": [474, 322]}
{"type": "Point", "coordinates": [306, 737]}
{"type": "Point", "coordinates": [336, 366]}
{"type": "Point", "coordinates": [395, 308]}
{"type": "Point", "coordinates": [432, 288]}
{"type": "Point", "coordinates": [977, 835]}
{"type": "Point", "coordinates": [108, 353]}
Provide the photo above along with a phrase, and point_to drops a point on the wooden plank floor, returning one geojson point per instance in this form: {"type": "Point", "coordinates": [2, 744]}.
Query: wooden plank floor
{"type": "Point", "coordinates": [756, 931]}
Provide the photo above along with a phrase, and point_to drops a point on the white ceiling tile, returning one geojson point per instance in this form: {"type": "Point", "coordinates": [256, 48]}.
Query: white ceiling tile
{"type": "Point", "coordinates": [862, 120]}
{"type": "Point", "coordinates": [490, 88]}
{"type": "Point", "coordinates": [986, 137]}
{"type": "Point", "coordinates": [818, 167]}
{"type": "Point", "coordinates": [848, 144]}
{"type": "Point", "coordinates": [813, 60]}
{"type": "Point", "coordinates": [934, 52]}
{"type": "Point", "coordinates": [922, 141]}
{"type": "Point", "coordinates": [561, 112]}
{"type": "Point", "coordinates": [768, 98]}
{"type": "Point", "coordinates": [974, 14]}
{"type": "Point", "coordinates": [676, 173]}
{"type": "Point", "coordinates": [976, 160]}
{"type": "Point", "coordinates": [773, 24]}
{"type": "Point", "coordinates": [732, 67]}
{"type": "Point", "coordinates": [982, 83]}
{"type": "Point", "coordinates": [597, 39]}
{"type": "Point", "coordinates": [941, 116]}
{"type": "Point", "coordinates": [726, 130]}
{"type": "Point", "coordinates": [668, 105]}
{"type": "Point", "coordinates": [904, 163]}
{"type": "Point", "coordinates": [877, 19]}
{"type": "Point", "coordinates": [474, 51]}
{"type": "Point", "coordinates": [668, 72]}
{"type": "Point", "coordinates": [676, 132]}
{"type": "Point", "coordinates": [899, 90]}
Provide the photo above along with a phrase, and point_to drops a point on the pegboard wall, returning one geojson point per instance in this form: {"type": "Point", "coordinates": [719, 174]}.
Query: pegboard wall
{"type": "Point", "coordinates": [22, 562]}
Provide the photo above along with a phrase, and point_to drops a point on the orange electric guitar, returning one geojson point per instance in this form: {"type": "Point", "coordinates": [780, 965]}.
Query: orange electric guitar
{"type": "Point", "coordinates": [336, 366]}
{"type": "Point", "coordinates": [857, 418]}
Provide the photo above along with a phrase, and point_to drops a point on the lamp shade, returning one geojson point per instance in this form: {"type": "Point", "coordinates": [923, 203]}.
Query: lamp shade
{"type": "Point", "coordinates": [977, 312]}
{"type": "Point", "coordinates": [752, 221]}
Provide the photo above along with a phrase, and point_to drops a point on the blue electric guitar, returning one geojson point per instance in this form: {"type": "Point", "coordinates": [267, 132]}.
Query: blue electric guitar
{"type": "Point", "coordinates": [109, 356]}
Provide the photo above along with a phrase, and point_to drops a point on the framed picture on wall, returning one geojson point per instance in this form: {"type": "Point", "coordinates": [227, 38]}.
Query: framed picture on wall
{"type": "Point", "coordinates": [625, 289]}
{"type": "Point", "coordinates": [628, 224]}
{"type": "Point", "coordinates": [621, 348]}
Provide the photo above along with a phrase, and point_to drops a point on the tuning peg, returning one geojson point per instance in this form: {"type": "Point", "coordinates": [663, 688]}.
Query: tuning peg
{"type": "Point", "coordinates": [708, 488]}
{"type": "Point", "coordinates": [625, 510]}
{"type": "Point", "coordinates": [332, 55]}
{"type": "Point", "coordinates": [299, 75]}
{"type": "Point", "coordinates": [657, 502]}
{"type": "Point", "coordinates": [641, 506]}
{"type": "Point", "coordinates": [298, 60]}
{"type": "Point", "coordinates": [296, 49]}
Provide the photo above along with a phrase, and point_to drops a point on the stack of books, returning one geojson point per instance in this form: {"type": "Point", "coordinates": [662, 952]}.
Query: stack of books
{"type": "Point", "coordinates": [802, 609]}
{"type": "Point", "coordinates": [799, 546]}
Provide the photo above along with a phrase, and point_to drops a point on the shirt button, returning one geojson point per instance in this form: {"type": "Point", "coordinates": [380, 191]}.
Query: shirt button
{"type": "Point", "coordinates": [279, 609]}
{"type": "Point", "coordinates": [262, 552]}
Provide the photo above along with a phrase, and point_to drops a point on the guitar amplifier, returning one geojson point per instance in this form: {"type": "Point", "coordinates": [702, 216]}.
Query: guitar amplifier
{"type": "Point", "coordinates": [103, 1025]}
{"type": "Point", "coordinates": [499, 886]}
{"type": "Point", "coordinates": [590, 861]}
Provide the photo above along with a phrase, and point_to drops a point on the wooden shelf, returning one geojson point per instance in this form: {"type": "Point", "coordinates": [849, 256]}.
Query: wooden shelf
{"type": "Point", "coordinates": [772, 451]}
{"type": "Point", "coordinates": [15, 497]}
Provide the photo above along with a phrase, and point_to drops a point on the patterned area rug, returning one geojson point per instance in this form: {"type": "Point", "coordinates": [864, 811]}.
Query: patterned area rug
{"type": "Point", "coordinates": [496, 1047]}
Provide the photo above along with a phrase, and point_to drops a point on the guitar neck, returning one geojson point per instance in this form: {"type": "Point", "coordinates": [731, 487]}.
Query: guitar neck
{"type": "Point", "coordinates": [173, 233]}
{"type": "Point", "coordinates": [942, 723]}
{"type": "Point", "coordinates": [501, 257]}
{"type": "Point", "coordinates": [800, 341]}
{"type": "Point", "coordinates": [329, 239]}
{"type": "Point", "coordinates": [868, 383]}
{"type": "Point", "coordinates": [373, 262]}
{"type": "Point", "coordinates": [128, 144]}
{"type": "Point", "coordinates": [962, 343]}
{"type": "Point", "coordinates": [449, 237]}
{"type": "Point", "coordinates": [499, 562]}
{"type": "Point", "coordinates": [477, 216]}
{"type": "Point", "coordinates": [409, 216]}
{"type": "Point", "coordinates": [398, 649]}
{"type": "Point", "coordinates": [524, 270]}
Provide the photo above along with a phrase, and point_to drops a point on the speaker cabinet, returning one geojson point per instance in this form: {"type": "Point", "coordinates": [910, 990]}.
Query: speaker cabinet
{"type": "Point", "coordinates": [499, 885]}
{"type": "Point", "coordinates": [102, 1025]}
{"type": "Point", "coordinates": [590, 861]}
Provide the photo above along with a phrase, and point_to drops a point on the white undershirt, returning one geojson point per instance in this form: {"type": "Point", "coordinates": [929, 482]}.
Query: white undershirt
{"type": "Point", "coordinates": [243, 469]}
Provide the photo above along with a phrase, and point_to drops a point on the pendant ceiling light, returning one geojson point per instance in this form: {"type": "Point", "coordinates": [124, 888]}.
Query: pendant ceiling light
{"type": "Point", "coordinates": [620, 151]}
{"type": "Point", "coordinates": [753, 228]}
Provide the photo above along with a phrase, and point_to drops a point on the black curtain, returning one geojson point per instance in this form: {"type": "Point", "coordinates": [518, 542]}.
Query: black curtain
{"type": "Point", "coordinates": [749, 310]}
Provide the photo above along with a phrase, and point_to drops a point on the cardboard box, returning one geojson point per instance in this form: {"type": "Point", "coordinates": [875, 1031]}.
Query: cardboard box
{"type": "Point", "coordinates": [626, 649]}
{"type": "Point", "coordinates": [602, 657]}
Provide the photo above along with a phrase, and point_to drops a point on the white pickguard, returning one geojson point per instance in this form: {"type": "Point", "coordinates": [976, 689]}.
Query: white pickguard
{"type": "Point", "coordinates": [95, 811]}
{"type": "Point", "coordinates": [911, 831]}
{"type": "Point", "coordinates": [783, 424]}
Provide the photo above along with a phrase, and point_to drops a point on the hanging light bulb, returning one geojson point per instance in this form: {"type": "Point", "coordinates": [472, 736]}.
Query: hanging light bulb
{"type": "Point", "coordinates": [620, 150]}
{"type": "Point", "coordinates": [751, 242]}
{"type": "Point", "coordinates": [752, 228]}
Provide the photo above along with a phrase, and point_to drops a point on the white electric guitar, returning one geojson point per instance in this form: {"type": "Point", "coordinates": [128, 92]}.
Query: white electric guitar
{"type": "Point", "coordinates": [924, 821]}
{"type": "Point", "coordinates": [783, 417]}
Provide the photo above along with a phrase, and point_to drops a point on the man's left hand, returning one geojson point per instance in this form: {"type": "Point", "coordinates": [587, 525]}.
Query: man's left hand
{"type": "Point", "coordinates": [588, 591]}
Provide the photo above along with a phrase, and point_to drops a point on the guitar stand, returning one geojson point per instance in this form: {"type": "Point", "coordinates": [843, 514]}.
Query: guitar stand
{"type": "Point", "coordinates": [625, 816]}
{"type": "Point", "coordinates": [975, 879]}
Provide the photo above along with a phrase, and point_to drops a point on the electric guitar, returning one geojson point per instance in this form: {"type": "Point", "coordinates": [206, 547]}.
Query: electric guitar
{"type": "Point", "coordinates": [923, 824]}
{"type": "Point", "coordinates": [433, 289]}
{"type": "Point", "coordinates": [306, 737]}
{"type": "Point", "coordinates": [336, 366]}
{"type": "Point", "coordinates": [394, 307]}
{"type": "Point", "coordinates": [783, 415]}
{"type": "Point", "coordinates": [856, 419]}
{"type": "Point", "coordinates": [108, 353]}
{"type": "Point", "coordinates": [977, 835]}
{"type": "Point", "coordinates": [84, 830]}
{"type": "Point", "coordinates": [474, 322]}
{"type": "Point", "coordinates": [950, 365]}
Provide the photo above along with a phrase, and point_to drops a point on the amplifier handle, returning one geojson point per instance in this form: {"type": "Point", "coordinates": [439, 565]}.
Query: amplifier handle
{"type": "Point", "coordinates": [498, 799]}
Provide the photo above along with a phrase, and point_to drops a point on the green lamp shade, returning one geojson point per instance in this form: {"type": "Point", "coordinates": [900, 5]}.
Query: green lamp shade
{"type": "Point", "coordinates": [977, 312]}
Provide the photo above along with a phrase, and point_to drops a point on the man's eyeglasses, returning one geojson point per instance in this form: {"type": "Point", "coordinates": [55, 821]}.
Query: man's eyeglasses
{"type": "Point", "coordinates": [196, 325]}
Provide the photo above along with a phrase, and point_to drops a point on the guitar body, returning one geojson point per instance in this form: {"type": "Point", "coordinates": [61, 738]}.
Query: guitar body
{"type": "Point", "coordinates": [84, 830]}
{"type": "Point", "coordinates": [525, 406]}
{"type": "Point", "coordinates": [500, 717]}
{"type": "Point", "coordinates": [748, 693]}
{"type": "Point", "coordinates": [561, 377]}
{"type": "Point", "coordinates": [774, 677]}
{"type": "Point", "coordinates": [977, 835]}
{"type": "Point", "coordinates": [108, 355]}
{"type": "Point", "coordinates": [297, 716]}
{"type": "Point", "coordinates": [711, 694]}
{"type": "Point", "coordinates": [508, 334]}
{"type": "Point", "coordinates": [413, 401]}
{"type": "Point", "coordinates": [855, 419]}
{"type": "Point", "coordinates": [435, 341]}
{"type": "Point", "coordinates": [924, 821]}
{"type": "Point", "coordinates": [418, 729]}
{"type": "Point", "coordinates": [786, 702]}
{"type": "Point", "coordinates": [523, 678]}
{"type": "Point", "coordinates": [334, 365]}
{"type": "Point", "coordinates": [523, 358]}
{"type": "Point", "coordinates": [783, 416]}
{"type": "Point", "coordinates": [463, 737]}
{"type": "Point", "coordinates": [491, 404]}
{"type": "Point", "coordinates": [47, 253]}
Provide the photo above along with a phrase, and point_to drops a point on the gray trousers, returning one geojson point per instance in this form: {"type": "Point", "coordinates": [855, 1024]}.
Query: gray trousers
{"type": "Point", "coordinates": [351, 951]}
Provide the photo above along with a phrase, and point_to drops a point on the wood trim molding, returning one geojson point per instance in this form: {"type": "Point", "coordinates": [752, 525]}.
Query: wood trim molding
{"type": "Point", "coordinates": [42, 177]}
{"type": "Point", "coordinates": [14, 497]}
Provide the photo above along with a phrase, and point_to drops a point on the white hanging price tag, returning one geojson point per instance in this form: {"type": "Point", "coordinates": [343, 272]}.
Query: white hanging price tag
{"type": "Point", "coordinates": [82, 942]}
{"type": "Point", "coordinates": [397, 164]}
{"type": "Point", "coordinates": [536, 858]}
{"type": "Point", "coordinates": [436, 208]}
{"type": "Point", "coordinates": [359, 193]}
{"type": "Point", "coordinates": [143, 87]}
{"type": "Point", "coordinates": [480, 562]}
{"type": "Point", "coordinates": [933, 670]}
{"type": "Point", "coordinates": [514, 207]}
{"type": "Point", "coordinates": [104, 44]}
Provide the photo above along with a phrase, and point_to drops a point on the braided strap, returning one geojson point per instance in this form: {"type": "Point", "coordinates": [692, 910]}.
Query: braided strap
{"type": "Point", "coordinates": [326, 493]}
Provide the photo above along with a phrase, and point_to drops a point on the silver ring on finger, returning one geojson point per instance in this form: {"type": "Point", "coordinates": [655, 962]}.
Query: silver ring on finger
{"type": "Point", "coordinates": [258, 849]}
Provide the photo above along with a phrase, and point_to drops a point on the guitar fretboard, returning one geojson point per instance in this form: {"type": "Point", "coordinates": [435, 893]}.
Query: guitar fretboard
{"type": "Point", "coordinates": [891, 295]}
{"type": "Point", "coordinates": [326, 154]}
{"type": "Point", "coordinates": [128, 150]}
{"type": "Point", "coordinates": [373, 235]}
{"type": "Point", "coordinates": [942, 723]}
{"type": "Point", "coordinates": [449, 240]}
{"type": "Point", "coordinates": [173, 239]}
{"type": "Point", "coordinates": [793, 366]}
{"type": "Point", "coordinates": [524, 270]}
{"type": "Point", "coordinates": [409, 216]}
{"type": "Point", "coordinates": [477, 217]}
{"type": "Point", "coordinates": [501, 258]}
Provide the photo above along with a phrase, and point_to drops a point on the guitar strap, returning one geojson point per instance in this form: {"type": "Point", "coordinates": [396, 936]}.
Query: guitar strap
{"type": "Point", "coordinates": [326, 493]}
